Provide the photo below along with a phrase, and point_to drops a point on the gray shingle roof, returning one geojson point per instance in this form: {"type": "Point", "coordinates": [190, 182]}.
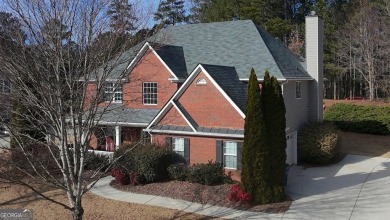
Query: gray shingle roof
{"type": "Point", "coordinates": [240, 44]}
{"type": "Point", "coordinates": [123, 115]}
{"type": "Point", "coordinates": [228, 80]}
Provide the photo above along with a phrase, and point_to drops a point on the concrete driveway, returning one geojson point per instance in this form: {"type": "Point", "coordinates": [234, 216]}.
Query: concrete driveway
{"type": "Point", "coordinates": [358, 187]}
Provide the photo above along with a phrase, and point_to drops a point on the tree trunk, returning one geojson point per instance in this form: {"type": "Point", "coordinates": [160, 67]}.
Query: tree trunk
{"type": "Point", "coordinates": [78, 212]}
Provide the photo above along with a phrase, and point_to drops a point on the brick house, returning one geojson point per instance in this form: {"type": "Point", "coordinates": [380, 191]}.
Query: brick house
{"type": "Point", "coordinates": [188, 91]}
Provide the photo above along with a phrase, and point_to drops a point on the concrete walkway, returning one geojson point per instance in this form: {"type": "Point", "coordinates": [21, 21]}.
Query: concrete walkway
{"type": "Point", "coordinates": [356, 188]}
{"type": "Point", "coordinates": [103, 188]}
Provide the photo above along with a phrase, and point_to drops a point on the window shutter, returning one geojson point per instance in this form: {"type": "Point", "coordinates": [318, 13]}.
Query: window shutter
{"type": "Point", "coordinates": [168, 142]}
{"type": "Point", "coordinates": [239, 155]}
{"type": "Point", "coordinates": [219, 156]}
{"type": "Point", "coordinates": [187, 149]}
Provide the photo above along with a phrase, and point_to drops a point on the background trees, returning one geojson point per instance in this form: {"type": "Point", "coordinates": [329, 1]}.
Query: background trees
{"type": "Point", "coordinates": [355, 49]}
{"type": "Point", "coordinates": [170, 12]}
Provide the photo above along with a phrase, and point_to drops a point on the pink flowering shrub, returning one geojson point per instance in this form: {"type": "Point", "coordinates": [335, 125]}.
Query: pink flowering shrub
{"type": "Point", "coordinates": [237, 194]}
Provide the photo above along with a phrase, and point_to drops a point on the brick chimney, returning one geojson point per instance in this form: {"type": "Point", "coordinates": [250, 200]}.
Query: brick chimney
{"type": "Point", "coordinates": [314, 42]}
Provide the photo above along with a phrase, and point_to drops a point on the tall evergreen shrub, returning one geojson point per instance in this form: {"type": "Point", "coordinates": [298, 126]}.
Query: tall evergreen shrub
{"type": "Point", "coordinates": [255, 173]}
{"type": "Point", "coordinates": [275, 120]}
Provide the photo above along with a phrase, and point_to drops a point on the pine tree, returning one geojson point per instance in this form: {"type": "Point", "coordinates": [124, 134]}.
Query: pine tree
{"type": "Point", "coordinates": [275, 122]}
{"type": "Point", "coordinates": [122, 16]}
{"type": "Point", "coordinates": [170, 12]}
{"type": "Point", "coordinates": [255, 173]}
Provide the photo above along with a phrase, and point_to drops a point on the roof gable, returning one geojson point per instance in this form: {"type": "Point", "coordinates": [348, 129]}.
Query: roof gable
{"type": "Point", "coordinates": [230, 96]}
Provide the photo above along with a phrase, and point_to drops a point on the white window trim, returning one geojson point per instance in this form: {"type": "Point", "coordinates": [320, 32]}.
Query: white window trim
{"type": "Point", "coordinates": [114, 91]}
{"type": "Point", "coordinates": [174, 145]}
{"type": "Point", "coordinates": [298, 85]}
{"type": "Point", "coordinates": [235, 155]}
{"type": "Point", "coordinates": [143, 100]}
{"type": "Point", "coordinates": [201, 82]}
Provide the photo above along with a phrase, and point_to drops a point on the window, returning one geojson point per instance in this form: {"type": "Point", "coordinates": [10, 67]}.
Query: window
{"type": "Point", "coordinates": [178, 146]}
{"type": "Point", "coordinates": [201, 81]}
{"type": "Point", "coordinates": [5, 86]}
{"type": "Point", "coordinates": [229, 154]}
{"type": "Point", "coordinates": [113, 92]}
{"type": "Point", "coordinates": [298, 90]}
{"type": "Point", "coordinates": [149, 93]}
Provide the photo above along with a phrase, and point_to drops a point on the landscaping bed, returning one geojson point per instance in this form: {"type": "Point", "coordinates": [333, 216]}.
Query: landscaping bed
{"type": "Point", "coordinates": [194, 192]}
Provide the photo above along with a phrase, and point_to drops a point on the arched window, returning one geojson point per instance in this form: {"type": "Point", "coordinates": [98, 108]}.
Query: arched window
{"type": "Point", "coordinates": [201, 81]}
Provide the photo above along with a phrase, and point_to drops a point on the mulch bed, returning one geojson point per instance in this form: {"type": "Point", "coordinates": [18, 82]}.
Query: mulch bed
{"type": "Point", "coordinates": [193, 192]}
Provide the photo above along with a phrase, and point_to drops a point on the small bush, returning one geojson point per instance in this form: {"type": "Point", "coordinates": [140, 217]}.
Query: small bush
{"type": "Point", "coordinates": [136, 178]}
{"type": "Point", "coordinates": [237, 194]}
{"type": "Point", "coordinates": [211, 173]}
{"type": "Point", "coordinates": [95, 162]}
{"type": "Point", "coordinates": [357, 118]}
{"type": "Point", "coordinates": [178, 171]}
{"type": "Point", "coordinates": [121, 177]}
{"type": "Point", "coordinates": [150, 162]}
{"type": "Point", "coordinates": [318, 143]}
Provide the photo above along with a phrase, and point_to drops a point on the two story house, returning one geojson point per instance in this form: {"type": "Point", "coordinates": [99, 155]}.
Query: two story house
{"type": "Point", "coordinates": [186, 88]}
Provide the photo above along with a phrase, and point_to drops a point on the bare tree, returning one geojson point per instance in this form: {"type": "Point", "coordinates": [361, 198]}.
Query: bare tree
{"type": "Point", "coordinates": [363, 42]}
{"type": "Point", "coordinates": [52, 73]}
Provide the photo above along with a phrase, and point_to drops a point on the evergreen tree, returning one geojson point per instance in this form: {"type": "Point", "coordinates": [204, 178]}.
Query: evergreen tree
{"type": "Point", "coordinates": [256, 158]}
{"type": "Point", "coordinates": [122, 16]}
{"type": "Point", "coordinates": [275, 122]}
{"type": "Point", "coordinates": [214, 10]}
{"type": "Point", "coordinates": [170, 12]}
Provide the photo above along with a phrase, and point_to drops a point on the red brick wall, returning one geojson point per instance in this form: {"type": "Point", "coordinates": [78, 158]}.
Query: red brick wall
{"type": "Point", "coordinates": [90, 94]}
{"type": "Point", "coordinates": [148, 69]}
{"type": "Point", "coordinates": [93, 141]}
{"type": "Point", "coordinates": [202, 149]}
{"type": "Point", "coordinates": [208, 107]}
{"type": "Point", "coordinates": [173, 117]}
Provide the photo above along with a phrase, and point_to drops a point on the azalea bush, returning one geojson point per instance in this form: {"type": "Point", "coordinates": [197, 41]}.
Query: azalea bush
{"type": "Point", "coordinates": [237, 194]}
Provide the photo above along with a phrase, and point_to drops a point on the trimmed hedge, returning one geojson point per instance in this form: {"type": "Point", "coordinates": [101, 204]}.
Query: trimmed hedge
{"type": "Point", "coordinates": [211, 173]}
{"type": "Point", "coordinates": [357, 118]}
{"type": "Point", "coordinates": [318, 143]}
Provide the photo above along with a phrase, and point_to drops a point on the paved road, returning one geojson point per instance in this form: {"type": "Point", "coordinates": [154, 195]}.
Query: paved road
{"type": "Point", "coordinates": [356, 188]}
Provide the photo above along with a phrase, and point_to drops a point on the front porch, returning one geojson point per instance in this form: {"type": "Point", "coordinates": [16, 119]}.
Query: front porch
{"type": "Point", "coordinates": [110, 138]}
{"type": "Point", "coordinates": [120, 125]}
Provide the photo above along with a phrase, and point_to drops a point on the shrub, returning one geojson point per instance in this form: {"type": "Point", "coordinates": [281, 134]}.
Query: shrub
{"type": "Point", "coordinates": [136, 178]}
{"type": "Point", "coordinates": [178, 171]}
{"type": "Point", "coordinates": [318, 143]}
{"type": "Point", "coordinates": [357, 118]}
{"type": "Point", "coordinates": [207, 174]}
{"type": "Point", "coordinates": [95, 162]}
{"type": "Point", "coordinates": [121, 177]}
{"type": "Point", "coordinates": [237, 194]}
{"type": "Point", "coordinates": [150, 162]}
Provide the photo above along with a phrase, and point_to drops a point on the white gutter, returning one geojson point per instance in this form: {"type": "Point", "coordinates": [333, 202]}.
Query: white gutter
{"type": "Point", "coordinates": [196, 134]}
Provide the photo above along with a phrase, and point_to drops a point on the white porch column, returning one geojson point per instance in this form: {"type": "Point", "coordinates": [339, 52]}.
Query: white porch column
{"type": "Point", "coordinates": [117, 136]}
